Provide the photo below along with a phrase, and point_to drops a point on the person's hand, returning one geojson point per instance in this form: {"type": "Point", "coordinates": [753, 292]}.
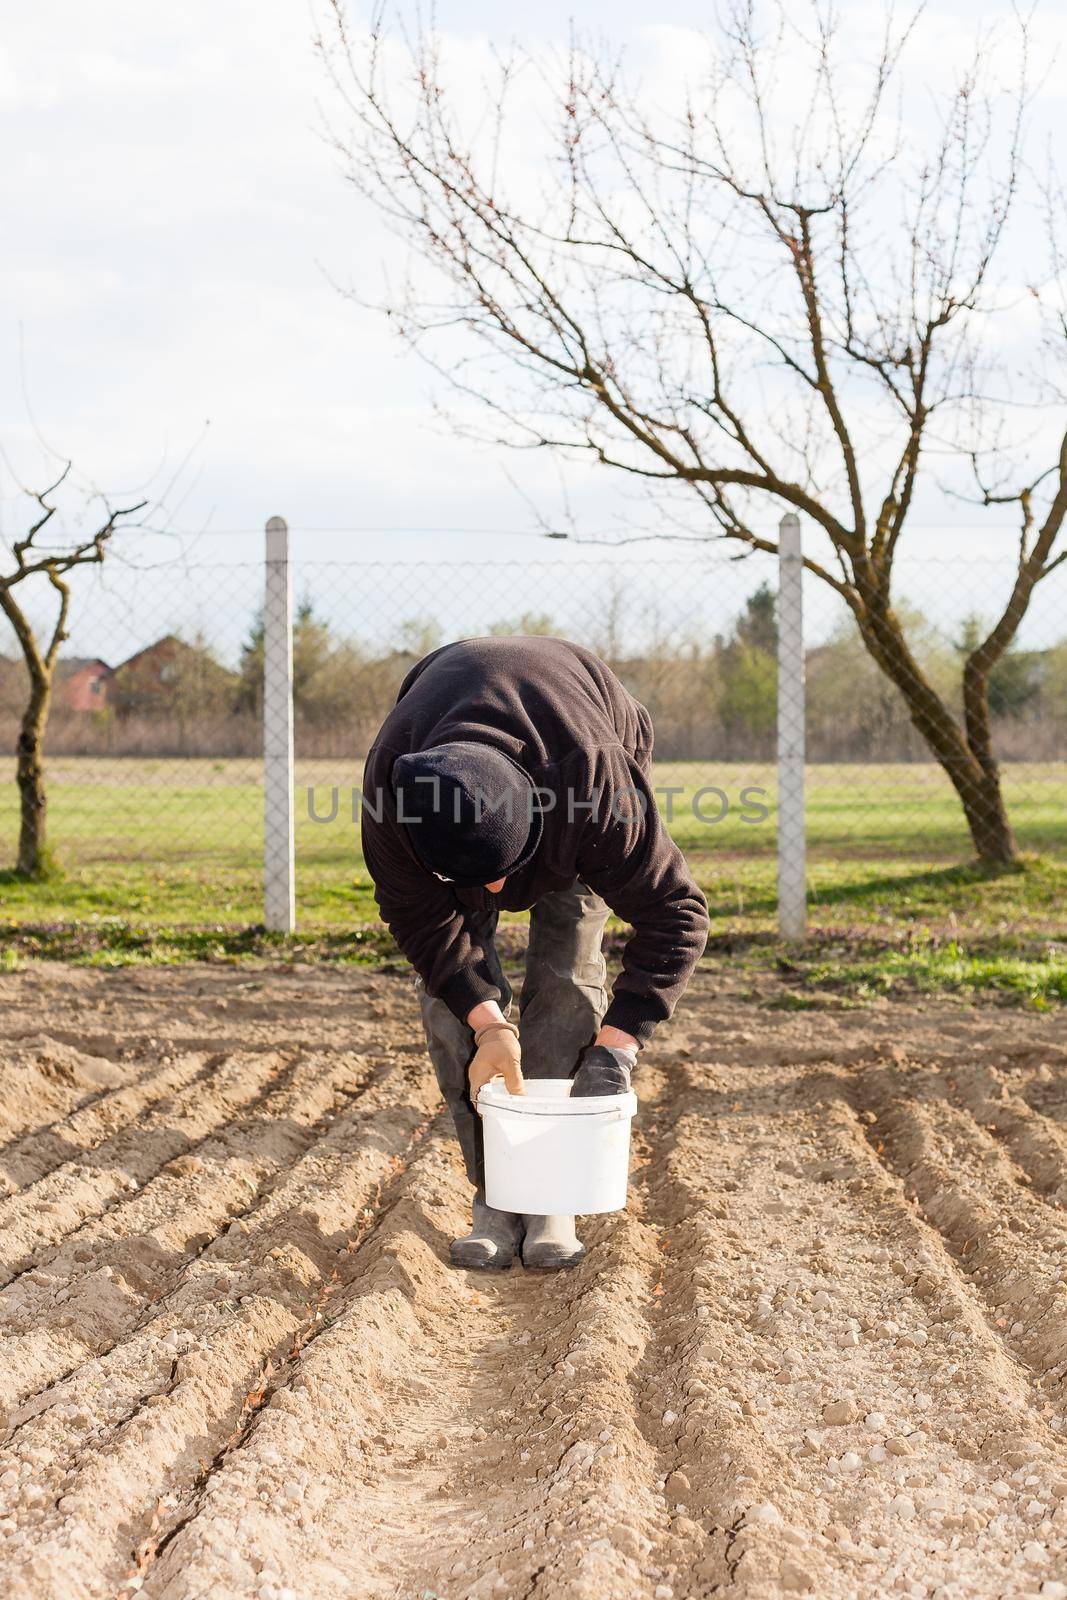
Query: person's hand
{"type": "Point", "coordinates": [496, 1055]}
{"type": "Point", "coordinates": [604, 1069]}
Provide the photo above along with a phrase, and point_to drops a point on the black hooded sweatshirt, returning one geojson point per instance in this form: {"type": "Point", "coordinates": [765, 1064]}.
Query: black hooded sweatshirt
{"type": "Point", "coordinates": [586, 744]}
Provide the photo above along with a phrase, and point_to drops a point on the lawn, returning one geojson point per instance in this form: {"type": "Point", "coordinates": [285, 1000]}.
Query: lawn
{"type": "Point", "coordinates": [174, 843]}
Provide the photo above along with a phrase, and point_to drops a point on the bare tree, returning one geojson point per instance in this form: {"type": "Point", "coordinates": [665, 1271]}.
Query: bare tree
{"type": "Point", "coordinates": [30, 557]}
{"type": "Point", "coordinates": [770, 294]}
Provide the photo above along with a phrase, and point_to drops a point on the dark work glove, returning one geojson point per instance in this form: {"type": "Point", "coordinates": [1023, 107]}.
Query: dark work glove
{"type": "Point", "coordinates": [604, 1069]}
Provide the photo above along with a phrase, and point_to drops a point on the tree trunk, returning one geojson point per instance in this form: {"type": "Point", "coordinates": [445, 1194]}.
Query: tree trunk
{"type": "Point", "coordinates": [987, 818]}
{"type": "Point", "coordinates": [973, 773]}
{"type": "Point", "coordinates": [29, 775]}
{"type": "Point", "coordinates": [993, 820]}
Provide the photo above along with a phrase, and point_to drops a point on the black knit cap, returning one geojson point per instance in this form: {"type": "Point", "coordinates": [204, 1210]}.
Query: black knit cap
{"type": "Point", "coordinates": [470, 812]}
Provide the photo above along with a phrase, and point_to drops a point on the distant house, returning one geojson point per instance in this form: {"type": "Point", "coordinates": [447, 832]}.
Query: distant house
{"type": "Point", "coordinates": [142, 681]}
{"type": "Point", "coordinates": [84, 685]}
{"type": "Point", "coordinates": [81, 683]}
{"type": "Point", "coordinates": [170, 676]}
{"type": "Point", "coordinates": [167, 678]}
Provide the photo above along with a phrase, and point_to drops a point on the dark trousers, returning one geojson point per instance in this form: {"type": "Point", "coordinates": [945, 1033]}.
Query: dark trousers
{"type": "Point", "coordinates": [561, 1004]}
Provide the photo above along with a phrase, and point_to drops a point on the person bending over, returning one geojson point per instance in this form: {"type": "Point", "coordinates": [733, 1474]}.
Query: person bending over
{"type": "Point", "coordinates": [514, 774]}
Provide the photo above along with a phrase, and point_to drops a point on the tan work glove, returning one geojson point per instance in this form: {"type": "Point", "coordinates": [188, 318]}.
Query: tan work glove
{"type": "Point", "coordinates": [496, 1056]}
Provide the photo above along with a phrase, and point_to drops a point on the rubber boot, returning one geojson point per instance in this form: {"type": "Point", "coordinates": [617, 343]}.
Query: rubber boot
{"type": "Point", "coordinates": [550, 1244]}
{"type": "Point", "coordinates": [492, 1242]}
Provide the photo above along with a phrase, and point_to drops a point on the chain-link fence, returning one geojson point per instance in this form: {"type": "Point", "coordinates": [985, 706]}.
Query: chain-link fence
{"type": "Point", "coordinates": [155, 744]}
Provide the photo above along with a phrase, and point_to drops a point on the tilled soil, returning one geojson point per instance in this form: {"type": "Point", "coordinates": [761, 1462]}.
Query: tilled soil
{"type": "Point", "coordinates": [823, 1351]}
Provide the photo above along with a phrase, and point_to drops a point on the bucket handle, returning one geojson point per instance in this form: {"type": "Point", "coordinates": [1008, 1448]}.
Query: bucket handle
{"type": "Point", "coordinates": [617, 1114]}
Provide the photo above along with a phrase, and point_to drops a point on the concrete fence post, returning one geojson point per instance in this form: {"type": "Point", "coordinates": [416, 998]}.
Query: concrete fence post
{"type": "Point", "coordinates": [279, 855]}
{"type": "Point", "coordinates": [792, 863]}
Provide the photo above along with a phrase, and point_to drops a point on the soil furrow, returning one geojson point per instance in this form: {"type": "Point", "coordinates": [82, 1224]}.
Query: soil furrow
{"type": "Point", "coordinates": [203, 1097]}
{"type": "Point", "coordinates": [475, 1417]}
{"type": "Point", "coordinates": [962, 1179]}
{"type": "Point", "coordinates": [1037, 1144]}
{"type": "Point", "coordinates": [820, 1353]}
{"type": "Point", "coordinates": [47, 1079]}
{"type": "Point", "coordinates": [249, 1242]}
{"type": "Point", "coordinates": [29, 1159]}
{"type": "Point", "coordinates": [1044, 1087]}
{"type": "Point", "coordinates": [721, 1473]}
{"type": "Point", "coordinates": [810, 1358]}
{"type": "Point", "coordinates": [124, 1443]}
{"type": "Point", "coordinates": [930, 1270]}
{"type": "Point", "coordinates": [100, 1281]}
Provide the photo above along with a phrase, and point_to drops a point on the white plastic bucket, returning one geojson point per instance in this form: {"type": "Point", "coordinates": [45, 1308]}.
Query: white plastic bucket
{"type": "Point", "coordinates": [549, 1154]}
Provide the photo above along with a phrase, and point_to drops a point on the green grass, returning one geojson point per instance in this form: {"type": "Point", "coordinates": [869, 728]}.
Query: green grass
{"type": "Point", "coordinates": [180, 843]}
{"type": "Point", "coordinates": [111, 942]}
{"type": "Point", "coordinates": [1034, 976]}
{"type": "Point", "coordinates": [831, 971]}
{"type": "Point", "coordinates": [161, 860]}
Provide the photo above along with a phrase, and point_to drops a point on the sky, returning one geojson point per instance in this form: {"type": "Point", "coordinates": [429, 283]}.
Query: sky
{"type": "Point", "coordinates": [176, 228]}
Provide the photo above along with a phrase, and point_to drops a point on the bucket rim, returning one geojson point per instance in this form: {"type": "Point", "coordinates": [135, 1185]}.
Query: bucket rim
{"type": "Point", "coordinates": [495, 1097]}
